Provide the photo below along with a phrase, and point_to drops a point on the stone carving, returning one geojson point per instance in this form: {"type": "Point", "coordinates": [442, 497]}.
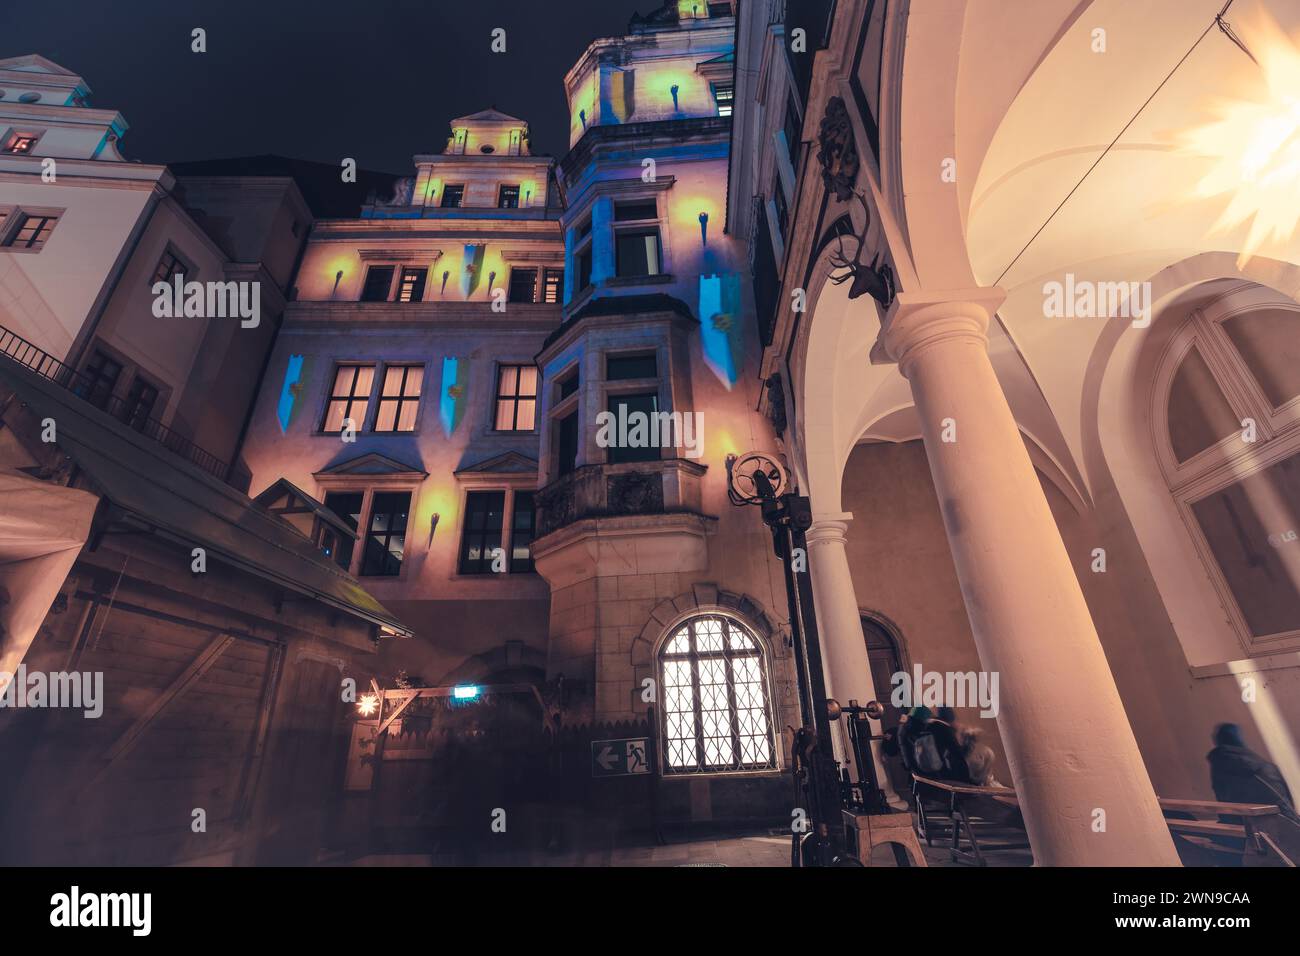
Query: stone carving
{"type": "Point", "coordinates": [838, 153]}
{"type": "Point", "coordinates": [635, 493]}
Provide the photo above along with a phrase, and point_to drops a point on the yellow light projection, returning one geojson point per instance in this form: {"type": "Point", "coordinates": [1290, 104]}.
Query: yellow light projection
{"type": "Point", "coordinates": [1255, 146]}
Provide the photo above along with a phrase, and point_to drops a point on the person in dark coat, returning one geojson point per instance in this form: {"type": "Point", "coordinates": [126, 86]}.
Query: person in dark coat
{"type": "Point", "coordinates": [1239, 775]}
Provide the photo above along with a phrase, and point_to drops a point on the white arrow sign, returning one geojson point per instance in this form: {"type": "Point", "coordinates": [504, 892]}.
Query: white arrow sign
{"type": "Point", "coordinates": [605, 758]}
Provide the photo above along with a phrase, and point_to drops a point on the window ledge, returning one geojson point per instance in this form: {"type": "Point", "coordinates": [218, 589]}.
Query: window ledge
{"type": "Point", "coordinates": [662, 278]}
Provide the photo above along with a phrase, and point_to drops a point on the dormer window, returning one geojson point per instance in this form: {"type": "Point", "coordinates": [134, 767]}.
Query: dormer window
{"type": "Point", "coordinates": [508, 197]}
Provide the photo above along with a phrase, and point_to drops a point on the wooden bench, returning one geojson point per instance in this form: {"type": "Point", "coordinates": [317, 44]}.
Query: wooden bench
{"type": "Point", "coordinates": [965, 807]}
{"type": "Point", "coordinates": [1256, 846]}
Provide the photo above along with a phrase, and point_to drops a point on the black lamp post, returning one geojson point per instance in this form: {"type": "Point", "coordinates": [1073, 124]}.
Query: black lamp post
{"type": "Point", "coordinates": [759, 479]}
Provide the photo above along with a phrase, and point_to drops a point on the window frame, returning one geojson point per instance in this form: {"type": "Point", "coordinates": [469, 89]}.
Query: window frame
{"type": "Point", "coordinates": [762, 651]}
{"type": "Point", "coordinates": [1230, 460]}
{"type": "Point", "coordinates": [460, 197]}
{"type": "Point", "coordinates": [510, 283]}
{"type": "Point", "coordinates": [510, 491]}
{"type": "Point", "coordinates": [401, 399]}
{"type": "Point", "coordinates": [15, 135]}
{"type": "Point", "coordinates": [330, 397]}
{"type": "Point", "coordinates": [516, 398]}
{"type": "Point", "coordinates": [16, 220]}
{"type": "Point", "coordinates": [422, 283]}
{"type": "Point", "coordinates": [502, 189]}
{"type": "Point", "coordinates": [393, 274]}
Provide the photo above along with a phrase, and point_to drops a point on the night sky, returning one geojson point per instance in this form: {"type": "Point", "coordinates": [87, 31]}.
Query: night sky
{"type": "Point", "coordinates": [377, 80]}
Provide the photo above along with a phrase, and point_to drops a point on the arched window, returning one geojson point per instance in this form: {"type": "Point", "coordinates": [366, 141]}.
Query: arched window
{"type": "Point", "coordinates": [1228, 437]}
{"type": "Point", "coordinates": [716, 705]}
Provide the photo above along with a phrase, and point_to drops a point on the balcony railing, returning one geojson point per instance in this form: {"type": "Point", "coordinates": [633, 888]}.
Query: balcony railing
{"type": "Point", "coordinates": [603, 491]}
{"type": "Point", "coordinates": [17, 349]}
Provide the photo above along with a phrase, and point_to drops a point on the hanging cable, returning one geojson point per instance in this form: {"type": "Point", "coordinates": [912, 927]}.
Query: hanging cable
{"type": "Point", "coordinates": [1227, 30]}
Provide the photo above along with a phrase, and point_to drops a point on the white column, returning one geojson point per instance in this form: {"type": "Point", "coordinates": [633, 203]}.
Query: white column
{"type": "Point", "coordinates": [1083, 788]}
{"type": "Point", "coordinates": [839, 625]}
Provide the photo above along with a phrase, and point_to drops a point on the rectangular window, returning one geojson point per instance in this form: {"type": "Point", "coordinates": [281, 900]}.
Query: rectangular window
{"type": "Point", "coordinates": [782, 211]}
{"type": "Point", "coordinates": [101, 376]}
{"type": "Point", "coordinates": [140, 400]}
{"type": "Point", "coordinates": [411, 286]}
{"type": "Point", "coordinates": [484, 518]}
{"type": "Point", "coordinates": [32, 231]}
{"type": "Point", "coordinates": [569, 385]}
{"type": "Point", "coordinates": [167, 267]}
{"type": "Point", "coordinates": [379, 279]}
{"type": "Point", "coordinates": [386, 536]}
{"type": "Point", "coordinates": [347, 505]}
{"type": "Point", "coordinates": [583, 230]}
{"type": "Point", "coordinates": [724, 94]}
{"type": "Point", "coordinates": [636, 252]}
{"type": "Point", "coordinates": [399, 399]}
{"type": "Point", "coordinates": [349, 398]}
{"type": "Point", "coordinates": [523, 285]}
{"type": "Point", "coordinates": [521, 533]}
{"type": "Point", "coordinates": [508, 197]}
{"type": "Point", "coordinates": [583, 260]}
{"type": "Point", "coordinates": [20, 144]}
{"type": "Point", "coordinates": [622, 367]}
{"type": "Point", "coordinates": [793, 130]}
{"type": "Point", "coordinates": [452, 197]}
{"type": "Point", "coordinates": [635, 211]}
{"type": "Point", "coordinates": [552, 287]}
{"type": "Point", "coordinates": [567, 444]}
{"type": "Point", "coordinates": [623, 408]}
{"type": "Point", "coordinates": [516, 398]}
{"type": "Point", "coordinates": [719, 10]}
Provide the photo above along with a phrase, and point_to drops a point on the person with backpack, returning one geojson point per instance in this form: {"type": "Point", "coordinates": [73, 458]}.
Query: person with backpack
{"type": "Point", "coordinates": [930, 748]}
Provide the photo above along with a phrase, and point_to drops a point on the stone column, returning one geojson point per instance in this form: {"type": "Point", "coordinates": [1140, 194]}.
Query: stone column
{"type": "Point", "coordinates": [839, 624]}
{"type": "Point", "coordinates": [1082, 784]}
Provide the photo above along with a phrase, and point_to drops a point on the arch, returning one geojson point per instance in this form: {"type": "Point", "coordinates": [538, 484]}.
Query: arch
{"type": "Point", "coordinates": [1117, 441]}
{"type": "Point", "coordinates": [717, 702]}
{"type": "Point", "coordinates": [702, 598]}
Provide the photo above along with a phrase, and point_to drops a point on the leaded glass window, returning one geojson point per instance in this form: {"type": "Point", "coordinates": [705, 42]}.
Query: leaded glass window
{"type": "Point", "coordinates": [715, 698]}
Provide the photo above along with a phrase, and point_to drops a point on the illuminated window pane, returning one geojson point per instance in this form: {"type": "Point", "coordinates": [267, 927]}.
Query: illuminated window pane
{"type": "Point", "coordinates": [716, 710]}
{"type": "Point", "coordinates": [349, 398]}
{"type": "Point", "coordinates": [400, 399]}
{"type": "Point", "coordinates": [516, 407]}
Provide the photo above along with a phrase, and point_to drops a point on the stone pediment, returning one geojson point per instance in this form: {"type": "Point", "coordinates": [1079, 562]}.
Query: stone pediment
{"type": "Point", "coordinates": [372, 465]}
{"type": "Point", "coordinates": [510, 463]}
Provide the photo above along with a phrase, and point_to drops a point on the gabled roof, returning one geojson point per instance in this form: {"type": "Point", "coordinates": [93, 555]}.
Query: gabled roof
{"type": "Point", "coordinates": [372, 463]}
{"type": "Point", "coordinates": [283, 487]}
{"type": "Point", "coordinates": [510, 463]}
{"type": "Point", "coordinates": [489, 115]}
{"type": "Point", "coordinates": [35, 63]}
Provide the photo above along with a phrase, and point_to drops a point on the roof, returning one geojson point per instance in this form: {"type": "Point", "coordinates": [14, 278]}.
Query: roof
{"type": "Point", "coordinates": [327, 195]}
{"type": "Point", "coordinates": [283, 486]}
{"type": "Point", "coordinates": [489, 115]}
{"type": "Point", "coordinates": [623, 305]}
{"type": "Point", "coordinates": [181, 501]}
{"type": "Point", "coordinates": [35, 63]}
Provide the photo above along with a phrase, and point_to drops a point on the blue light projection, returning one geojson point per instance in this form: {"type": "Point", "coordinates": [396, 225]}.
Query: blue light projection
{"type": "Point", "coordinates": [721, 334]}
{"type": "Point", "coordinates": [290, 392]}
{"type": "Point", "coordinates": [455, 392]}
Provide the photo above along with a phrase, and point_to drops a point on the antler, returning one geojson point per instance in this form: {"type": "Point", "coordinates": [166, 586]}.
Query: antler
{"type": "Point", "coordinates": [839, 260]}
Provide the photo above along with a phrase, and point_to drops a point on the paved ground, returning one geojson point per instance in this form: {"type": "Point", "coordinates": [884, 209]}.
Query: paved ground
{"type": "Point", "coordinates": [733, 851]}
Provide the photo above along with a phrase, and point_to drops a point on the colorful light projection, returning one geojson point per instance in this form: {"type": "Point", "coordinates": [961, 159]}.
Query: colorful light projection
{"type": "Point", "coordinates": [721, 333]}
{"type": "Point", "coordinates": [1255, 146]}
{"type": "Point", "coordinates": [471, 271]}
{"type": "Point", "coordinates": [291, 391]}
{"type": "Point", "coordinates": [455, 392]}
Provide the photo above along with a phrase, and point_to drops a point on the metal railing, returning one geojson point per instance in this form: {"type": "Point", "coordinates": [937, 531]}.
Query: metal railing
{"type": "Point", "coordinates": [17, 349]}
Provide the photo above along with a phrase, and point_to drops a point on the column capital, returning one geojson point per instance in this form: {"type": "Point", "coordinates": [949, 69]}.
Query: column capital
{"type": "Point", "coordinates": [919, 320]}
{"type": "Point", "coordinates": [828, 527]}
